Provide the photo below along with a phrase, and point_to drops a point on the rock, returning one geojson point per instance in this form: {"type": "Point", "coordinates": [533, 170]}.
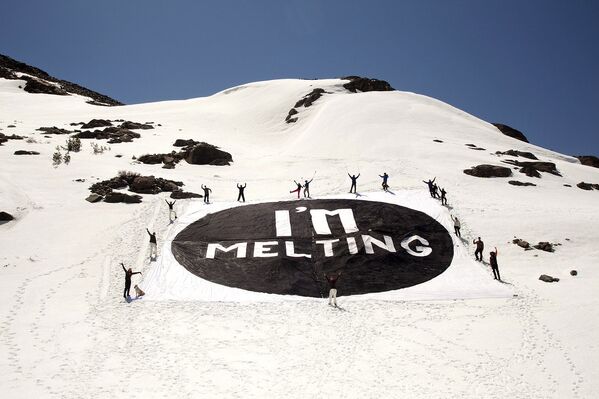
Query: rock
{"type": "Point", "coordinates": [114, 197]}
{"type": "Point", "coordinates": [309, 98]}
{"type": "Point", "coordinates": [589, 160]}
{"type": "Point", "coordinates": [144, 185]}
{"type": "Point", "coordinates": [94, 198]}
{"type": "Point", "coordinates": [545, 246]}
{"type": "Point", "coordinates": [6, 217]}
{"type": "Point", "coordinates": [185, 143]}
{"type": "Point", "coordinates": [54, 130]}
{"type": "Point", "coordinates": [357, 83]}
{"type": "Point", "coordinates": [521, 243]}
{"type": "Point", "coordinates": [184, 195]}
{"type": "Point", "coordinates": [567, 185]}
{"type": "Point", "coordinates": [168, 166]}
{"type": "Point", "coordinates": [23, 152]}
{"type": "Point", "coordinates": [438, 141]}
{"type": "Point", "coordinates": [511, 132]}
{"type": "Point", "coordinates": [94, 123]}
{"type": "Point", "coordinates": [291, 120]}
{"type": "Point", "coordinates": [151, 159]}
{"type": "Point", "coordinates": [548, 279]}
{"type": "Point", "coordinates": [292, 112]}
{"type": "Point", "coordinates": [519, 183]}
{"type": "Point", "coordinates": [207, 154]}
{"type": "Point", "coordinates": [79, 180]}
{"type": "Point", "coordinates": [4, 138]}
{"type": "Point", "coordinates": [106, 186]}
{"type": "Point", "coordinates": [585, 186]}
{"type": "Point", "coordinates": [573, 273]}
{"type": "Point", "coordinates": [38, 86]}
{"type": "Point", "coordinates": [532, 168]}
{"type": "Point", "coordinates": [134, 125]}
{"type": "Point", "coordinates": [488, 171]}
{"type": "Point", "coordinates": [516, 153]}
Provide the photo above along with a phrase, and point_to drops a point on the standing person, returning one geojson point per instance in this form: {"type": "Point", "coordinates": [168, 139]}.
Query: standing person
{"type": "Point", "coordinates": [443, 197]}
{"type": "Point", "coordinates": [456, 226]}
{"type": "Point", "coordinates": [494, 266]}
{"type": "Point", "coordinates": [435, 191]}
{"type": "Point", "coordinates": [207, 192]}
{"type": "Point", "coordinates": [153, 245]}
{"type": "Point", "coordinates": [354, 180]}
{"type": "Point", "coordinates": [332, 281]}
{"type": "Point", "coordinates": [171, 210]}
{"type": "Point", "coordinates": [430, 185]}
{"type": "Point", "coordinates": [385, 176]}
{"type": "Point", "coordinates": [307, 188]}
{"type": "Point", "coordinates": [480, 246]}
{"type": "Point", "coordinates": [240, 187]}
{"type": "Point", "coordinates": [297, 190]}
{"type": "Point", "coordinates": [128, 274]}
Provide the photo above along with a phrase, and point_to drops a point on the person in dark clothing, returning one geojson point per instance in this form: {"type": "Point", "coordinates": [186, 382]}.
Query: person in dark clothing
{"type": "Point", "coordinates": [332, 281]}
{"type": "Point", "coordinates": [171, 210]}
{"type": "Point", "coordinates": [153, 245]}
{"type": "Point", "coordinates": [128, 274]}
{"type": "Point", "coordinates": [435, 191]}
{"type": "Point", "coordinates": [385, 177]}
{"type": "Point", "coordinates": [241, 188]}
{"type": "Point", "coordinates": [443, 197]}
{"type": "Point", "coordinates": [494, 266]}
{"type": "Point", "coordinates": [430, 184]}
{"type": "Point", "coordinates": [354, 180]}
{"type": "Point", "coordinates": [456, 226]}
{"type": "Point", "coordinates": [307, 188]}
{"type": "Point", "coordinates": [480, 246]}
{"type": "Point", "coordinates": [207, 192]}
{"type": "Point", "coordinates": [297, 190]}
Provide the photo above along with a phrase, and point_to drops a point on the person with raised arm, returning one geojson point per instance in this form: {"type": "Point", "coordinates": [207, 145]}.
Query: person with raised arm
{"type": "Point", "coordinates": [153, 244]}
{"type": "Point", "coordinates": [128, 273]}
{"type": "Point", "coordinates": [493, 262]}
{"type": "Point", "coordinates": [354, 180]}
{"type": "Point", "coordinates": [456, 226]}
{"type": "Point", "coordinates": [332, 282]}
{"type": "Point", "coordinates": [207, 192]}
{"type": "Point", "coordinates": [241, 195]}
{"type": "Point", "coordinates": [171, 210]}
{"type": "Point", "coordinates": [297, 190]}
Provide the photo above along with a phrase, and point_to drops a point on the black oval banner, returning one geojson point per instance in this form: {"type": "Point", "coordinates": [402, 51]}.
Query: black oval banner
{"type": "Point", "coordinates": [287, 247]}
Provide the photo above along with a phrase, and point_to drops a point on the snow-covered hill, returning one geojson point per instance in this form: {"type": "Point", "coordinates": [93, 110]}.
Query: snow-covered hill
{"type": "Point", "coordinates": [66, 332]}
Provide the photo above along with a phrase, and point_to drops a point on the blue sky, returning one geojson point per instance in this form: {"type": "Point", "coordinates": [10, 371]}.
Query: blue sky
{"type": "Point", "coordinates": [530, 64]}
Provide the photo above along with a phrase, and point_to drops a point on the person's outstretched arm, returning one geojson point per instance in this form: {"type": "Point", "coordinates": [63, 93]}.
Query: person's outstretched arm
{"type": "Point", "coordinates": [496, 251]}
{"type": "Point", "coordinates": [148, 231]}
{"type": "Point", "coordinates": [136, 273]}
{"type": "Point", "coordinates": [123, 266]}
{"type": "Point", "coordinates": [358, 175]}
{"type": "Point", "coordinates": [349, 175]}
{"type": "Point", "coordinates": [434, 179]}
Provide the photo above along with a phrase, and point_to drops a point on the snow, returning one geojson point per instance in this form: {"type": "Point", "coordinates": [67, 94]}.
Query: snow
{"type": "Point", "coordinates": [65, 330]}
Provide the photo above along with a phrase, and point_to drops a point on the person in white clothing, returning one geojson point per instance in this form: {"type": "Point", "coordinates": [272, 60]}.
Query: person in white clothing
{"type": "Point", "coordinates": [456, 226]}
{"type": "Point", "coordinates": [332, 281]}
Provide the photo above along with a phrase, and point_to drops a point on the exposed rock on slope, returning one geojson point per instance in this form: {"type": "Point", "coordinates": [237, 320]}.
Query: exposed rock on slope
{"type": "Point", "coordinates": [589, 160]}
{"type": "Point", "coordinates": [357, 83]}
{"type": "Point", "coordinates": [42, 82]}
{"type": "Point", "coordinates": [489, 171]}
{"type": "Point", "coordinates": [511, 132]}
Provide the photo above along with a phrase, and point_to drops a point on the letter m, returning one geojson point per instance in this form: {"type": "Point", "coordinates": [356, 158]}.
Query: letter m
{"type": "Point", "coordinates": [321, 225]}
{"type": "Point", "coordinates": [240, 247]}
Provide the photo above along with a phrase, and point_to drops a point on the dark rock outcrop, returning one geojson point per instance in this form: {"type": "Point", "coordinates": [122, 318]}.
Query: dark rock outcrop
{"type": "Point", "coordinates": [589, 160]}
{"type": "Point", "coordinates": [169, 160]}
{"type": "Point", "coordinates": [94, 123]}
{"type": "Point", "coordinates": [521, 243]}
{"type": "Point", "coordinates": [309, 98]}
{"type": "Point", "coordinates": [106, 186]}
{"type": "Point", "coordinates": [11, 65]}
{"type": "Point", "coordinates": [511, 132]}
{"type": "Point", "coordinates": [24, 152]}
{"type": "Point", "coordinates": [4, 138]}
{"type": "Point", "coordinates": [115, 197]}
{"type": "Point", "coordinates": [532, 168]}
{"type": "Point", "coordinates": [112, 133]}
{"type": "Point", "coordinates": [573, 273]}
{"type": "Point", "coordinates": [545, 246]}
{"type": "Point", "coordinates": [207, 154]}
{"type": "Point", "coordinates": [357, 83]}
{"type": "Point", "coordinates": [184, 195]}
{"type": "Point", "coordinates": [38, 86]}
{"type": "Point", "coordinates": [489, 171]}
{"type": "Point", "coordinates": [185, 143]}
{"type": "Point", "coordinates": [516, 153]}
{"type": "Point", "coordinates": [135, 125]}
{"type": "Point", "coordinates": [6, 217]}
{"type": "Point", "coordinates": [153, 185]}
{"type": "Point", "coordinates": [519, 183]}
{"type": "Point", "coordinates": [53, 130]}
{"type": "Point", "coordinates": [94, 198]}
{"type": "Point", "coordinates": [587, 186]}
{"type": "Point", "coordinates": [548, 279]}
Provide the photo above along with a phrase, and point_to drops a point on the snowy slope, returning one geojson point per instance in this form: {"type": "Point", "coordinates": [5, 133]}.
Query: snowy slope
{"type": "Point", "coordinates": [65, 331]}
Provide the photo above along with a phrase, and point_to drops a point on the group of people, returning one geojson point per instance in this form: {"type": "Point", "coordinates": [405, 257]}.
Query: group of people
{"type": "Point", "coordinates": [436, 191]}
{"type": "Point", "coordinates": [331, 278]}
